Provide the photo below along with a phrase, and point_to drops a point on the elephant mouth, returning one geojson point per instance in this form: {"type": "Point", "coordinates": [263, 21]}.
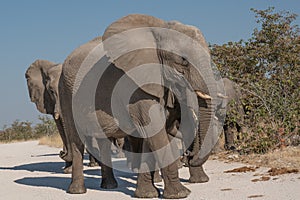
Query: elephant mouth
{"type": "Point", "coordinates": [203, 95]}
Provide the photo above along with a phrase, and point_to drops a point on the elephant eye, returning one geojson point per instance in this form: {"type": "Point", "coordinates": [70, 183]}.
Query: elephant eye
{"type": "Point", "coordinates": [180, 60]}
{"type": "Point", "coordinates": [184, 61]}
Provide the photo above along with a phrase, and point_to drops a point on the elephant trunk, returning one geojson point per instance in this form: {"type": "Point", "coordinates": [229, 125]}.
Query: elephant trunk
{"type": "Point", "coordinates": [206, 136]}
{"type": "Point", "coordinates": [66, 153]}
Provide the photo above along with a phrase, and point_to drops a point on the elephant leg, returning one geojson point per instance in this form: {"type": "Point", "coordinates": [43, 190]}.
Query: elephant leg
{"type": "Point", "coordinates": [77, 184]}
{"type": "Point", "coordinates": [108, 178]}
{"type": "Point", "coordinates": [156, 138]}
{"type": "Point", "coordinates": [134, 153]}
{"type": "Point", "coordinates": [173, 186]}
{"type": "Point", "coordinates": [93, 162]}
{"type": "Point", "coordinates": [68, 168]}
{"type": "Point", "coordinates": [145, 186]}
{"type": "Point", "coordinates": [229, 136]}
{"type": "Point", "coordinates": [197, 175]}
{"type": "Point", "coordinates": [156, 177]}
{"type": "Point", "coordinates": [65, 154]}
{"type": "Point", "coordinates": [145, 163]}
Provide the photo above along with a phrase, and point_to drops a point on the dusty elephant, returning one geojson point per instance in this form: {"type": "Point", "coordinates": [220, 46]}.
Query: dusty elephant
{"type": "Point", "coordinates": [42, 80]}
{"type": "Point", "coordinates": [134, 119]}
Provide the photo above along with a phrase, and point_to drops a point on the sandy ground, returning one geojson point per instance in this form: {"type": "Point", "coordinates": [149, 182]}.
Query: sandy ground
{"type": "Point", "coordinates": [30, 171]}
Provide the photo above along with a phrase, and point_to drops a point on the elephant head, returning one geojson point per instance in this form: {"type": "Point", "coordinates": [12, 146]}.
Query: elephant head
{"type": "Point", "coordinates": [145, 39]}
{"type": "Point", "coordinates": [42, 81]}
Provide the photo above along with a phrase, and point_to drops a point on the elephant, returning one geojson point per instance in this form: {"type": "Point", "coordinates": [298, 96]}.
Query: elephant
{"type": "Point", "coordinates": [91, 120]}
{"type": "Point", "coordinates": [42, 80]}
{"type": "Point", "coordinates": [234, 107]}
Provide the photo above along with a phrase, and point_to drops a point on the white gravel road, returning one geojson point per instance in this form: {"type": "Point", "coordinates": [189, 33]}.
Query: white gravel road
{"type": "Point", "coordinates": [29, 171]}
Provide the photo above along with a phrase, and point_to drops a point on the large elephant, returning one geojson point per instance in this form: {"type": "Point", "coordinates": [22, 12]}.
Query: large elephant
{"type": "Point", "coordinates": [173, 62]}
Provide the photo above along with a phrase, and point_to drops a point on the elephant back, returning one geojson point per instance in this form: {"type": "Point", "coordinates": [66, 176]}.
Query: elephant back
{"type": "Point", "coordinates": [73, 62]}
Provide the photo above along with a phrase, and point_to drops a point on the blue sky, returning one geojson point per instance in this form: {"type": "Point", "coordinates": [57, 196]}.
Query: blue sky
{"type": "Point", "coordinates": [34, 29]}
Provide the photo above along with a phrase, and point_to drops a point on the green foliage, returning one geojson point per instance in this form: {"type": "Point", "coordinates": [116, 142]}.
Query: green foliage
{"type": "Point", "coordinates": [23, 131]}
{"type": "Point", "coordinates": [46, 127]}
{"type": "Point", "coordinates": [267, 67]}
{"type": "Point", "coordinates": [17, 131]}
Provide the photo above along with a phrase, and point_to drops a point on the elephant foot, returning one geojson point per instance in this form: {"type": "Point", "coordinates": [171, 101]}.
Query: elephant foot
{"type": "Point", "coordinates": [197, 175]}
{"type": "Point", "coordinates": [109, 183]}
{"type": "Point", "coordinates": [173, 188]}
{"type": "Point", "coordinates": [77, 187]}
{"type": "Point", "coordinates": [147, 191]}
{"type": "Point", "coordinates": [176, 191]}
{"type": "Point", "coordinates": [68, 168]}
{"type": "Point", "coordinates": [93, 164]}
{"type": "Point", "coordinates": [145, 187]}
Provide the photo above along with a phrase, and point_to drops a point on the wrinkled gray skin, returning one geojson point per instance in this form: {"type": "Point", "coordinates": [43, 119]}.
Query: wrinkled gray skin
{"type": "Point", "coordinates": [227, 91]}
{"type": "Point", "coordinates": [197, 173]}
{"type": "Point", "coordinates": [42, 81]}
{"type": "Point", "coordinates": [139, 104]}
{"type": "Point", "coordinates": [233, 94]}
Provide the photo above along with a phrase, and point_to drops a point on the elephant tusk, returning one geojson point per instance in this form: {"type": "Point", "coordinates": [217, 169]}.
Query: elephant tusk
{"type": "Point", "coordinates": [56, 116]}
{"type": "Point", "coordinates": [202, 95]}
{"type": "Point", "coordinates": [194, 115]}
{"type": "Point", "coordinates": [222, 96]}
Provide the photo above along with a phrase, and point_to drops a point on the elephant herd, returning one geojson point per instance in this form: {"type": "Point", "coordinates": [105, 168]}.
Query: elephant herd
{"type": "Point", "coordinates": [147, 82]}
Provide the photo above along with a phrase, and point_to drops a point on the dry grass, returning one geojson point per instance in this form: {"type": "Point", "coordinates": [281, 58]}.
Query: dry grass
{"type": "Point", "coordinates": [52, 141]}
{"type": "Point", "coordinates": [288, 157]}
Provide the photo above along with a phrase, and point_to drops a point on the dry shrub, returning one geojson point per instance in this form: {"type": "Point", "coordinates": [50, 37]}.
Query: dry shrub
{"type": "Point", "coordinates": [278, 171]}
{"type": "Point", "coordinates": [52, 141]}
{"type": "Point", "coordinates": [280, 158]}
{"type": "Point", "coordinates": [266, 67]}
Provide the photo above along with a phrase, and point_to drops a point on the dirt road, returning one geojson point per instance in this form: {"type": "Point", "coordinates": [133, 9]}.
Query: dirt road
{"type": "Point", "coordinates": [29, 171]}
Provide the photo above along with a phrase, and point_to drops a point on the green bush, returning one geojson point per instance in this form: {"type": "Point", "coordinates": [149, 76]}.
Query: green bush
{"type": "Point", "coordinates": [23, 130]}
{"type": "Point", "coordinates": [266, 66]}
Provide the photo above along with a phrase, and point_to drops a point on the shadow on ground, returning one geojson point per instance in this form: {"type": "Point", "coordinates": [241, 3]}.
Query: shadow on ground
{"type": "Point", "coordinates": [51, 167]}
{"type": "Point", "coordinates": [92, 177]}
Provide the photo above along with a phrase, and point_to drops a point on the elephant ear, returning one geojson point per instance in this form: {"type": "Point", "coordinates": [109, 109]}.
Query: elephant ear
{"type": "Point", "coordinates": [36, 83]}
{"type": "Point", "coordinates": [130, 43]}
